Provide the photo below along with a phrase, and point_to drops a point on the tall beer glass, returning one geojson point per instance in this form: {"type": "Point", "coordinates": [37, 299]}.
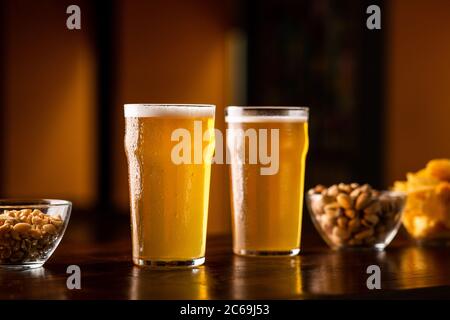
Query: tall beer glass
{"type": "Point", "coordinates": [169, 186]}
{"type": "Point", "coordinates": [267, 204]}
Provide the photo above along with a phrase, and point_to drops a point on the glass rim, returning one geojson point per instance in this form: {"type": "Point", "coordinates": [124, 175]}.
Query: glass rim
{"type": "Point", "coordinates": [293, 108]}
{"type": "Point", "coordinates": [190, 105]}
{"type": "Point", "coordinates": [140, 110]}
{"type": "Point", "coordinates": [32, 203]}
{"type": "Point", "coordinates": [242, 114]}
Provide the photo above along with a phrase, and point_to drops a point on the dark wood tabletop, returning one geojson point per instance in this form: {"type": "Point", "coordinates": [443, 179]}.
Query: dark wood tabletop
{"type": "Point", "coordinates": [102, 251]}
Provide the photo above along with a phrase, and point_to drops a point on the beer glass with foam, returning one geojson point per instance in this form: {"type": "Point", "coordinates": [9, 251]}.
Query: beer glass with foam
{"type": "Point", "coordinates": [267, 204]}
{"type": "Point", "coordinates": [168, 197]}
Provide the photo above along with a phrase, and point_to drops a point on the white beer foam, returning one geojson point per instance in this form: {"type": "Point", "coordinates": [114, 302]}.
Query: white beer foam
{"type": "Point", "coordinates": [259, 119]}
{"type": "Point", "coordinates": [168, 110]}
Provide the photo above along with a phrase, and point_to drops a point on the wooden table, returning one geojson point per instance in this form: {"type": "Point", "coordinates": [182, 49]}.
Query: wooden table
{"type": "Point", "coordinates": [103, 253]}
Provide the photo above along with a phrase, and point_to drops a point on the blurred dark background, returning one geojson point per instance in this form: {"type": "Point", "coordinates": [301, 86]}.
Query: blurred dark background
{"type": "Point", "coordinates": [379, 99]}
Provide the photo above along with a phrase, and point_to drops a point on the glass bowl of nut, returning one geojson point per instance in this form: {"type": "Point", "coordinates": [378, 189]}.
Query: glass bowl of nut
{"type": "Point", "coordinates": [30, 231]}
{"type": "Point", "coordinates": [355, 216]}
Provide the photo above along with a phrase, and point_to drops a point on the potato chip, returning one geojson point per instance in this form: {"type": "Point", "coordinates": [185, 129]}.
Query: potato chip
{"type": "Point", "coordinates": [427, 209]}
{"type": "Point", "coordinates": [439, 168]}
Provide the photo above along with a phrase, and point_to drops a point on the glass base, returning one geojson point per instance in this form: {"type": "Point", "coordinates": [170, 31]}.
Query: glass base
{"type": "Point", "coordinates": [267, 253]}
{"type": "Point", "coordinates": [169, 263]}
{"type": "Point", "coordinates": [20, 267]}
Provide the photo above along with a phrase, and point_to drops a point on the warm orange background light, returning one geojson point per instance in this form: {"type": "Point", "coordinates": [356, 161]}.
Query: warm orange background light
{"type": "Point", "coordinates": [50, 142]}
{"type": "Point", "coordinates": [418, 82]}
{"type": "Point", "coordinates": [178, 52]}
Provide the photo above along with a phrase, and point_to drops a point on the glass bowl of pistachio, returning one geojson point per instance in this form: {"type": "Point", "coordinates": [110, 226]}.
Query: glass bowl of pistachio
{"type": "Point", "coordinates": [355, 216]}
{"type": "Point", "coordinates": [30, 231]}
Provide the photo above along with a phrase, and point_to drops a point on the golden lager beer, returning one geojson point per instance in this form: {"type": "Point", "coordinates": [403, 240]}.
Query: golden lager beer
{"type": "Point", "coordinates": [267, 204]}
{"type": "Point", "coordinates": [168, 197]}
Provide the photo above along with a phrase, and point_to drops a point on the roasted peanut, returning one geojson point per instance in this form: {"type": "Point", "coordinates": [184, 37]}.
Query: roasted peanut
{"type": "Point", "coordinates": [331, 215]}
{"type": "Point", "coordinates": [344, 200]}
{"type": "Point", "coordinates": [25, 212]}
{"type": "Point", "coordinates": [372, 219]}
{"type": "Point", "coordinates": [27, 235]}
{"type": "Point", "coordinates": [36, 220]}
{"type": "Point", "coordinates": [331, 206]}
{"type": "Point", "coordinates": [353, 225]}
{"type": "Point", "coordinates": [22, 227]}
{"type": "Point", "coordinates": [333, 191]}
{"type": "Point", "coordinates": [355, 194]}
{"type": "Point", "coordinates": [354, 185]}
{"type": "Point", "coordinates": [362, 201]}
{"type": "Point", "coordinates": [49, 228]}
{"type": "Point", "coordinates": [319, 188]}
{"type": "Point", "coordinates": [35, 233]}
{"type": "Point", "coordinates": [332, 210]}
{"type": "Point", "coordinates": [36, 213]}
{"type": "Point", "coordinates": [56, 222]}
{"type": "Point", "coordinates": [342, 222]}
{"type": "Point", "coordinates": [350, 213]}
{"type": "Point", "coordinates": [341, 233]}
{"type": "Point", "coordinates": [364, 234]}
{"type": "Point", "coordinates": [344, 188]}
{"type": "Point", "coordinates": [373, 208]}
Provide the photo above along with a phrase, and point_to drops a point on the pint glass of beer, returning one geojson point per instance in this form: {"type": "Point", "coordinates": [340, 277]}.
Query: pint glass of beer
{"type": "Point", "coordinates": [267, 149]}
{"type": "Point", "coordinates": [169, 151]}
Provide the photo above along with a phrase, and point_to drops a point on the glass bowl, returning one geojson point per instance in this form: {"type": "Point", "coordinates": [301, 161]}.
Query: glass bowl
{"type": "Point", "coordinates": [30, 231]}
{"type": "Point", "coordinates": [373, 225]}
